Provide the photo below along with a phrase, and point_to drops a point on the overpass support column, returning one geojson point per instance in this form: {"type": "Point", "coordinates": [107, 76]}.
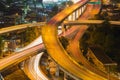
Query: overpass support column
{"type": "Point", "coordinates": [84, 7]}
{"type": "Point", "coordinates": [1, 77]}
{"type": "Point", "coordinates": [73, 16]}
{"type": "Point", "coordinates": [77, 14]}
{"type": "Point", "coordinates": [65, 76]}
{"type": "Point", "coordinates": [70, 18]}
{"type": "Point", "coordinates": [64, 28]}
{"type": "Point", "coordinates": [57, 71]}
{"type": "Point", "coordinates": [80, 11]}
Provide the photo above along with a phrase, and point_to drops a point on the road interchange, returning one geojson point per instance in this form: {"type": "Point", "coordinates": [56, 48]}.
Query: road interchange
{"type": "Point", "coordinates": [77, 74]}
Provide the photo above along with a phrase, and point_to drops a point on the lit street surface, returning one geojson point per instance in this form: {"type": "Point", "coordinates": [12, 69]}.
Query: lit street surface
{"type": "Point", "coordinates": [68, 63]}
{"type": "Point", "coordinates": [74, 49]}
{"type": "Point", "coordinates": [32, 69]}
{"type": "Point", "coordinates": [19, 27]}
{"type": "Point", "coordinates": [58, 53]}
{"type": "Point", "coordinates": [78, 22]}
{"type": "Point", "coordinates": [20, 56]}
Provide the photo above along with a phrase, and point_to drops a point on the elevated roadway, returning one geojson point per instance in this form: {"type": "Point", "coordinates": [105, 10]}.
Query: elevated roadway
{"type": "Point", "coordinates": [60, 56]}
{"type": "Point", "coordinates": [77, 70]}
{"type": "Point", "coordinates": [89, 22]}
{"type": "Point", "coordinates": [25, 52]}
{"type": "Point", "coordinates": [74, 48]}
{"type": "Point", "coordinates": [19, 27]}
{"type": "Point", "coordinates": [18, 57]}
{"type": "Point", "coordinates": [57, 52]}
{"type": "Point", "coordinates": [32, 69]}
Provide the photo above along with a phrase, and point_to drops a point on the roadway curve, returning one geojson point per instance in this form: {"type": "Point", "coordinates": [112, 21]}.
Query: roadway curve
{"type": "Point", "coordinates": [74, 48]}
{"type": "Point", "coordinates": [32, 68]}
{"type": "Point", "coordinates": [25, 52]}
{"type": "Point", "coordinates": [20, 55]}
{"type": "Point", "coordinates": [57, 52]}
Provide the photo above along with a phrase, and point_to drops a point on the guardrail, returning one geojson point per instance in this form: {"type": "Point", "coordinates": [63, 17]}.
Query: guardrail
{"type": "Point", "coordinates": [36, 48]}
{"type": "Point", "coordinates": [19, 27]}
{"type": "Point", "coordinates": [89, 22]}
{"type": "Point", "coordinates": [55, 49]}
{"type": "Point", "coordinates": [70, 14]}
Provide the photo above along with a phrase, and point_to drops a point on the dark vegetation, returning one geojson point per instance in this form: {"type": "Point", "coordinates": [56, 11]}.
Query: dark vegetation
{"type": "Point", "coordinates": [105, 35]}
{"type": "Point", "coordinates": [30, 34]}
{"type": "Point", "coordinates": [64, 41]}
{"type": "Point", "coordinates": [14, 73]}
{"type": "Point", "coordinates": [25, 36]}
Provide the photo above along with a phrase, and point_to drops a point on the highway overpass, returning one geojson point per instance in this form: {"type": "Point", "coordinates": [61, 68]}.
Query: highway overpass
{"type": "Point", "coordinates": [50, 38]}
{"type": "Point", "coordinates": [57, 52]}
{"type": "Point", "coordinates": [89, 22]}
{"type": "Point", "coordinates": [19, 27]}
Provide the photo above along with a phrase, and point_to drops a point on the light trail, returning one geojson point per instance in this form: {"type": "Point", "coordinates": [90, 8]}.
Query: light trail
{"type": "Point", "coordinates": [37, 68]}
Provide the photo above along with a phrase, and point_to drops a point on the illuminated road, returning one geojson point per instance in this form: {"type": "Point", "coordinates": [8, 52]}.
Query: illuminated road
{"type": "Point", "coordinates": [19, 27]}
{"type": "Point", "coordinates": [20, 56]}
{"type": "Point", "coordinates": [57, 52]}
{"type": "Point", "coordinates": [32, 68]}
{"type": "Point", "coordinates": [85, 22]}
{"type": "Point", "coordinates": [25, 52]}
{"type": "Point", "coordinates": [74, 48]}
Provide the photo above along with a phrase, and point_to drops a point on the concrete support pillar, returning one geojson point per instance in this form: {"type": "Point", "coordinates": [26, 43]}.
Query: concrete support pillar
{"type": "Point", "coordinates": [70, 18]}
{"type": "Point", "coordinates": [57, 71]}
{"type": "Point", "coordinates": [63, 29]}
{"type": "Point", "coordinates": [73, 16]}
{"type": "Point", "coordinates": [84, 6]}
{"type": "Point", "coordinates": [77, 14]}
{"type": "Point", "coordinates": [1, 77]}
{"type": "Point", "coordinates": [65, 76]}
{"type": "Point", "coordinates": [80, 11]}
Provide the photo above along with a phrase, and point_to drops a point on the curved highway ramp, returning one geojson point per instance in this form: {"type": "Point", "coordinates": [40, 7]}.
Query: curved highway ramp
{"type": "Point", "coordinates": [55, 49]}
{"type": "Point", "coordinates": [57, 52]}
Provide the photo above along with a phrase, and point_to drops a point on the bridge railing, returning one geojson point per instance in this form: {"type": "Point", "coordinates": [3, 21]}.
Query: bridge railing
{"type": "Point", "coordinates": [76, 14]}
{"type": "Point", "coordinates": [70, 13]}
{"type": "Point", "coordinates": [75, 11]}
{"type": "Point", "coordinates": [20, 27]}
